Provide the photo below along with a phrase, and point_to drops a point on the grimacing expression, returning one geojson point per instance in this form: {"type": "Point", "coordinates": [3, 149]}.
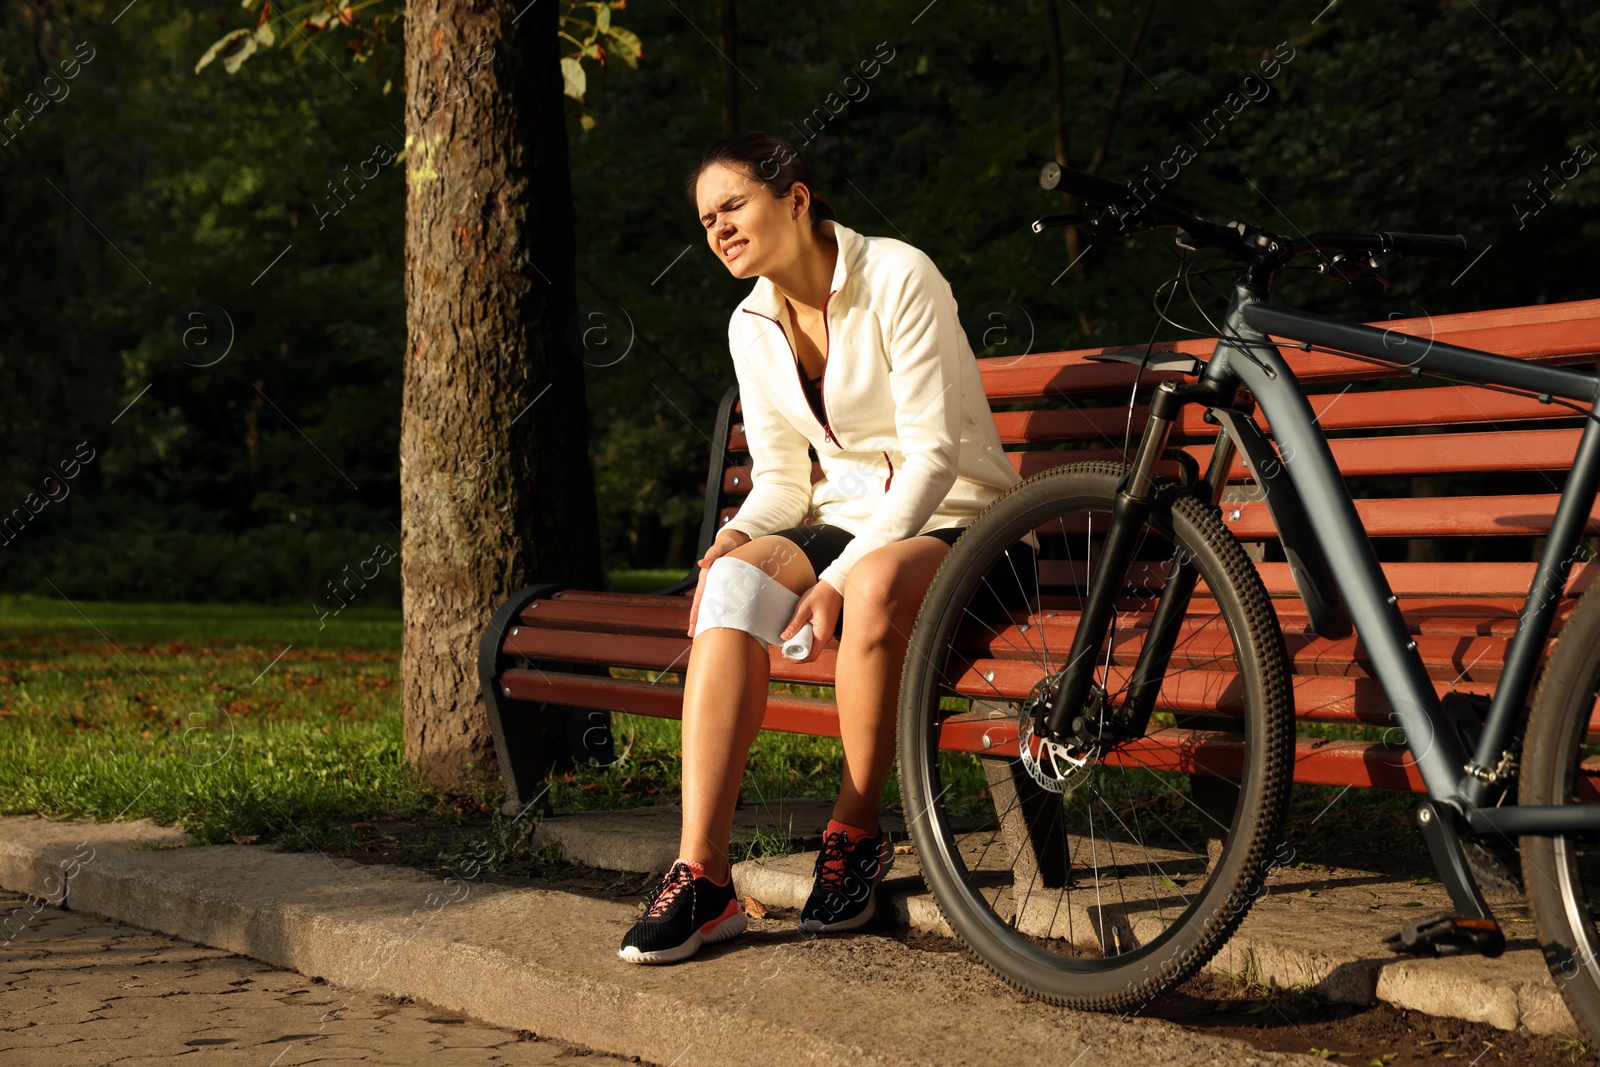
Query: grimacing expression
{"type": "Point", "coordinates": [747, 228]}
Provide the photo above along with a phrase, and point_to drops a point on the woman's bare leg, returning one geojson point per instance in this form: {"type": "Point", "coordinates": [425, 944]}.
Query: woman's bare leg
{"type": "Point", "coordinates": [724, 698]}
{"type": "Point", "coordinates": [882, 595]}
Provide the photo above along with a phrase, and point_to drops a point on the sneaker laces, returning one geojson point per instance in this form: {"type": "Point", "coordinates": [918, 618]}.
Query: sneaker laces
{"type": "Point", "coordinates": [674, 883]}
{"type": "Point", "coordinates": [831, 861]}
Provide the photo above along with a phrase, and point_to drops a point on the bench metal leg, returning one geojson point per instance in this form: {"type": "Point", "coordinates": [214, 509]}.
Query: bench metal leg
{"type": "Point", "coordinates": [1031, 825]}
{"type": "Point", "coordinates": [520, 743]}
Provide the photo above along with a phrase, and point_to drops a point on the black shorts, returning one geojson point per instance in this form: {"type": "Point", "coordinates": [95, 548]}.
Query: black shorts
{"type": "Point", "coordinates": [1006, 587]}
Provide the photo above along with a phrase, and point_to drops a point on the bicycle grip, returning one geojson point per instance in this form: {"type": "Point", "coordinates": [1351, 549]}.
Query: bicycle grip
{"type": "Point", "coordinates": [1053, 176]}
{"type": "Point", "coordinates": [1428, 245]}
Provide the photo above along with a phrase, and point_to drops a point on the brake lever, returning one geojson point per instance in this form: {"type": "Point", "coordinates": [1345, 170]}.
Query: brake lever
{"type": "Point", "coordinates": [1109, 223]}
{"type": "Point", "coordinates": [1040, 225]}
{"type": "Point", "coordinates": [1353, 267]}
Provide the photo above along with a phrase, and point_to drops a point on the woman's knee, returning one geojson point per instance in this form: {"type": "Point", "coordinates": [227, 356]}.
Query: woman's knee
{"type": "Point", "coordinates": [881, 598]}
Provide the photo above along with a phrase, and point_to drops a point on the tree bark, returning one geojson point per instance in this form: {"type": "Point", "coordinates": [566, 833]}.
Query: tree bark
{"type": "Point", "coordinates": [496, 487]}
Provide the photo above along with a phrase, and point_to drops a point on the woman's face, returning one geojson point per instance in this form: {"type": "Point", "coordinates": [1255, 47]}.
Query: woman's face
{"type": "Point", "coordinates": [748, 228]}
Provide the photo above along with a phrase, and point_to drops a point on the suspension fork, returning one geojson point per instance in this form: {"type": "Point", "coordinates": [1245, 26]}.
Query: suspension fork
{"type": "Point", "coordinates": [1134, 499]}
{"type": "Point", "coordinates": [1173, 605]}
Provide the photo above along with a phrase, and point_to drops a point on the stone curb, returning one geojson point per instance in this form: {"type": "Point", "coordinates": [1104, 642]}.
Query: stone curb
{"type": "Point", "coordinates": [526, 959]}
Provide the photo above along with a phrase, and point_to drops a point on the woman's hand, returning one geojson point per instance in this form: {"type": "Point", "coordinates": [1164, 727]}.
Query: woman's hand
{"type": "Point", "coordinates": [820, 606]}
{"type": "Point", "coordinates": [726, 542]}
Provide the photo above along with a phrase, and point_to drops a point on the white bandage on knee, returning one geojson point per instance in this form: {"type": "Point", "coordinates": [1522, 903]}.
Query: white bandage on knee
{"type": "Point", "coordinates": [741, 596]}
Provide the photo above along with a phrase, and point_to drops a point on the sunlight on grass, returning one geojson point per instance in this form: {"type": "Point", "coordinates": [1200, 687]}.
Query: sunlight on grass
{"type": "Point", "coordinates": [236, 719]}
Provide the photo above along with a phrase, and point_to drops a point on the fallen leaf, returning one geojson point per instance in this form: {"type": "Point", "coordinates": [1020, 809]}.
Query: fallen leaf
{"type": "Point", "coordinates": [754, 908]}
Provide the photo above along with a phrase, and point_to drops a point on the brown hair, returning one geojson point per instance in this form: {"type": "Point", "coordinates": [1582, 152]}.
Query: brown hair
{"type": "Point", "coordinates": [769, 160]}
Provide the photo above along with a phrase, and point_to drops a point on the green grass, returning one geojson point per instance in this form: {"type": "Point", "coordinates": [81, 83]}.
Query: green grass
{"type": "Point", "coordinates": [229, 720]}
{"type": "Point", "coordinates": [648, 769]}
{"type": "Point", "coordinates": [217, 719]}
{"type": "Point", "coordinates": [643, 581]}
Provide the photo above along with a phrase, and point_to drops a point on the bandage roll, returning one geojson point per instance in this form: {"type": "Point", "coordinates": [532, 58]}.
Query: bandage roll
{"type": "Point", "coordinates": [741, 596]}
{"type": "Point", "coordinates": [798, 647]}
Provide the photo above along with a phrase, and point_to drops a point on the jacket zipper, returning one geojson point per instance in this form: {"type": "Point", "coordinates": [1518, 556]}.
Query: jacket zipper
{"type": "Point", "coordinates": [888, 480]}
{"type": "Point", "coordinates": [822, 389]}
{"type": "Point", "coordinates": [827, 430]}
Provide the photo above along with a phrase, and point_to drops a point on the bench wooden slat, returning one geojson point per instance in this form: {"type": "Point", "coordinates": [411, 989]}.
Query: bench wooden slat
{"type": "Point", "coordinates": [1203, 642]}
{"type": "Point", "coordinates": [1411, 455]}
{"type": "Point", "coordinates": [619, 599]}
{"type": "Point", "coordinates": [789, 714]}
{"type": "Point", "coordinates": [1364, 763]}
{"type": "Point", "coordinates": [1479, 616]}
{"type": "Point", "coordinates": [1336, 412]}
{"type": "Point", "coordinates": [661, 617]}
{"type": "Point", "coordinates": [1449, 516]}
{"type": "Point", "coordinates": [1475, 580]}
{"type": "Point", "coordinates": [1460, 659]}
{"type": "Point", "coordinates": [669, 616]}
{"type": "Point", "coordinates": [1470, 580]}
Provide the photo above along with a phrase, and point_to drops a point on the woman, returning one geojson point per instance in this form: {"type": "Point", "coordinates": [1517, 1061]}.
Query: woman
{"type": "Point", "coordinates": [851, 345]}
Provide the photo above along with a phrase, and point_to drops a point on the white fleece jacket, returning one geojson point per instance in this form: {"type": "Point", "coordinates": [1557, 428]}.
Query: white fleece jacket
{"type": "Point", "coordinates": [909, 443]}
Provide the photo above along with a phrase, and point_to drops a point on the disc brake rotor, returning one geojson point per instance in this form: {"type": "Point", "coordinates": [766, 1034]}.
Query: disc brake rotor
{"type": "Point", "coordinates": [1058, 768]}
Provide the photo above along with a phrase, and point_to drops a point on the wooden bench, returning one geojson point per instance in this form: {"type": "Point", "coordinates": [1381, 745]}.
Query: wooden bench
{"type": "Point", "coordinates": [549, 647]}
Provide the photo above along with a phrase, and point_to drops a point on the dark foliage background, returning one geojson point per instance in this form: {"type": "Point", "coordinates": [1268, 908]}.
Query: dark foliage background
{"type": "Point", "coordinates": [179, 298]}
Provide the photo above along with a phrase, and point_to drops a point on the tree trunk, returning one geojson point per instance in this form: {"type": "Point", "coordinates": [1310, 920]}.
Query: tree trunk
{"type": "Point", "coordinates": [495, 483]}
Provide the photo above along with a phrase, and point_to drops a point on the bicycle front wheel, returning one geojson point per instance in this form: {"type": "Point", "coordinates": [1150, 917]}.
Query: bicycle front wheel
{"type": "Point", "coordinates": [1094, 878]}
{"type": "Point", "coordinates": [1562, 873]}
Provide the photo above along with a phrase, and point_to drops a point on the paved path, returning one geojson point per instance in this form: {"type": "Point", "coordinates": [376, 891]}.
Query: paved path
{"type": "Point", "coordinates": [84, 991]}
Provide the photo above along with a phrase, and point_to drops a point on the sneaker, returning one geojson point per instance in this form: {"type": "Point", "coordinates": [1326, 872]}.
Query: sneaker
{"type": "Point", "coordinates": [843, 896]}
{"type": "Point", "coordinates": [686, 910]}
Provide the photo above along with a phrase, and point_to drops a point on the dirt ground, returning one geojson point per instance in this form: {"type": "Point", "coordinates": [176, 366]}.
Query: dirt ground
{"type": "Point", "coordinates": [1268, 1018]}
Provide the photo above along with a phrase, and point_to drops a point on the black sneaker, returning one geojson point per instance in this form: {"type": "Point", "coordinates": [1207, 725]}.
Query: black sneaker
{"type": "Point", "coordinates": [843, 896]}
{"type": "Point", "coordinates": [682, 914]}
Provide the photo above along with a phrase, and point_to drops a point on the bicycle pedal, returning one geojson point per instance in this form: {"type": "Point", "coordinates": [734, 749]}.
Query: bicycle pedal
{"type": "Point", "coordinates": [1448, 935]}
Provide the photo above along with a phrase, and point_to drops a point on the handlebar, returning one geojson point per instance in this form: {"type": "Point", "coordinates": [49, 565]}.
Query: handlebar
{"type": "Point", "coordinates": [1053, 176]}
{"type": "Point", "coordinates": [1418, 245]}
{"type": "Point", "coordinates": [1128, 207]}
{"type": "Point", "coordinates": [1131, 212]}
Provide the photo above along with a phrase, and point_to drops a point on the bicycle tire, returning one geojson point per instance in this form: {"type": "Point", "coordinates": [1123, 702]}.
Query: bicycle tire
{"type": "Point", "coordinates": [1128, 956]}
{"type": "Point", "coordinates": [1555, 868]}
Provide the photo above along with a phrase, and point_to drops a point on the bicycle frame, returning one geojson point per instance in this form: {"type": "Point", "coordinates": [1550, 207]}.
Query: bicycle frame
{"type": "Point", "coordinates": [1332, 542]}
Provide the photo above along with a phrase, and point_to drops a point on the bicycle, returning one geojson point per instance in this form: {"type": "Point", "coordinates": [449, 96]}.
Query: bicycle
{"type": "Point", "coordinates": [1092, 868]}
